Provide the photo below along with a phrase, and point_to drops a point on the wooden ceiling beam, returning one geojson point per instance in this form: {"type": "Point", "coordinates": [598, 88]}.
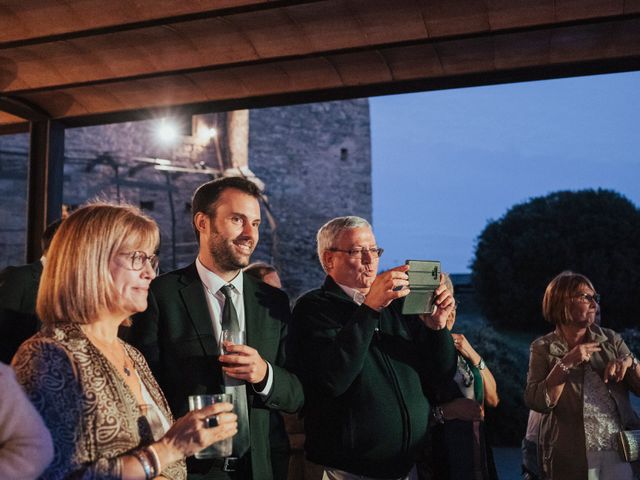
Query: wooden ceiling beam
{"type": "Point", "coordinates": [525, 74]}
{"type": "Point", "coordinates": [249, 6]}
{"type": "Point", "coordinates": [23, 109]}
{"type": "Point", "coordinates": [479, 36]}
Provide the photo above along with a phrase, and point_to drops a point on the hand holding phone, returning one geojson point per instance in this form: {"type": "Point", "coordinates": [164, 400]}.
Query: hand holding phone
{"type": "Point", "coordinates": [424, 279]}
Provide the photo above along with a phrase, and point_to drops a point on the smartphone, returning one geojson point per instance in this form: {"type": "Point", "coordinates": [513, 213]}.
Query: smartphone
{"type": "Point", "coordinates": [424, 279]}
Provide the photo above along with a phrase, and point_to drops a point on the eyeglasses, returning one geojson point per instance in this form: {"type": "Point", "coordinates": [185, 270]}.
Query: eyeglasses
{"type": "Point", "coordinates": [139, 260]}
{"type": "Point", "coordinates": [358, 252]}
{"type": "Point", "coordinates": [586, 298]}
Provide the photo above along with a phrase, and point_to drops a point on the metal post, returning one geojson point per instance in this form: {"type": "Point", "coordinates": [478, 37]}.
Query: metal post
{"type": "Point", "coordinates": [46, 171]}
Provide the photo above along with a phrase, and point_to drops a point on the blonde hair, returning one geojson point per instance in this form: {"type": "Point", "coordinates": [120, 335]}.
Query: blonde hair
{"type": "Point", "coordinates": [76, 282]}
{"type": "Point", "coordinates": [557, 296]}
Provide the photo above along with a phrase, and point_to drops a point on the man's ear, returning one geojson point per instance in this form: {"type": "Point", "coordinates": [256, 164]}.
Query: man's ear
{"type": "Point", "coordinates": [201, 221]}
{"type": "Point", "coordinates": [327, 260]}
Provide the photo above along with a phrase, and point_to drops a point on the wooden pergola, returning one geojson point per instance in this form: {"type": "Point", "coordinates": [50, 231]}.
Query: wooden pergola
{"type": "Point", "coordinates": [86, 62]}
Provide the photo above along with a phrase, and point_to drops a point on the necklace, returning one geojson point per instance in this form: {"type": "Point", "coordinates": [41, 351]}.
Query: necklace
{"type": "Point", "coordinates": [125, 367]}
{"type": "Point", "coordinates": [106, 350]}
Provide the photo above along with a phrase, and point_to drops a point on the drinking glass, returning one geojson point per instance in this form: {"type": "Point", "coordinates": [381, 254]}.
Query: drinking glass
{"type": "Point", "coordinates": [220, 449]}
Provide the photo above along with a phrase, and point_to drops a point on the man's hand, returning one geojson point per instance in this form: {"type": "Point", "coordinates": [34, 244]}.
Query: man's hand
{"type": "Point", "coordinates": [387, 287]}
{"type": "Point", "coordinates": [244, 363]}
{"type": "Point", "coordinates": [444, 305]}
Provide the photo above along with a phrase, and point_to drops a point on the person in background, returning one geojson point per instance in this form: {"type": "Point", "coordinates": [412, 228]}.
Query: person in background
{"type": "Point", "coordinates": [579, 379]}
{"type": "Point", "coordinates": [26, 448]}
{"type": "Point", "coordinates": [278, 438]}
{"type": "Point", "coordinates": [18, 291]}
{"type": "Point", "coordinates": [459, 450]}
{"type": "Point", "coordinates": [264, 272]}
{"type": "Point", "coordinates": [529, 447]}
{"type": "Point", "coordinates": [96, 394]}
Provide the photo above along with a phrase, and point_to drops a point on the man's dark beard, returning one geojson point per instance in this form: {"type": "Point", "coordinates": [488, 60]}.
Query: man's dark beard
{"type": "Point", "coordinates": [223, 255]}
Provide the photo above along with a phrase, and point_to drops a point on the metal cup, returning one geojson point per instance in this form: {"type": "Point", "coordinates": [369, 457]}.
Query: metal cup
{"type": "Point", "coordinates": [220, 449]}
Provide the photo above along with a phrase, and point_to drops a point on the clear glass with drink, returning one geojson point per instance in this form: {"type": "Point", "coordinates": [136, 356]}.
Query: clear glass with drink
{"type": "Point", "coordinates": [229, 336]}
{"type": "Point", "coordinates": [220, 449]}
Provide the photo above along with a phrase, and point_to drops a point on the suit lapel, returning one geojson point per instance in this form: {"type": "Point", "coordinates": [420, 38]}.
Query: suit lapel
{"type": "Point", "coordinates": [253, 313]}
{"type": "Point", "coordinates": [193, 296]}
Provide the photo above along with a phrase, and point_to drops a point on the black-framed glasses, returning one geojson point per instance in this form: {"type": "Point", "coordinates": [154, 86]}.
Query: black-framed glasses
{"type": "Point", "coordinates": [139, 259]}
{"type": "Point", "coordinates": [586, 298]}
{"type": "Point", "coordinates": [358, 252]}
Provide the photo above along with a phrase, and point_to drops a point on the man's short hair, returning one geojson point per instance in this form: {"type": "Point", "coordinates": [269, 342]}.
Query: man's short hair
{"type": "Point", "coordinates": [48, 234]}
{"type": "Point", "coordinates": [76, 282]}
{"type": "Point", "coordinates": [206, 195]}
{"type": "Point", "coordinates": [557, 296]}
{"type": "Point", "coordinates": [330, 231]}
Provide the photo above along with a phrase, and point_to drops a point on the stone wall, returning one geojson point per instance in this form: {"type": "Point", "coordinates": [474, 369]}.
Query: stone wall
{"type": "Point", "coordinates": [315, 161]}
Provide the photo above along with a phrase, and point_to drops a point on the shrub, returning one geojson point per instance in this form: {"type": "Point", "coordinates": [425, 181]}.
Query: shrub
{"type": "Point", "coordinates": [593, 232]}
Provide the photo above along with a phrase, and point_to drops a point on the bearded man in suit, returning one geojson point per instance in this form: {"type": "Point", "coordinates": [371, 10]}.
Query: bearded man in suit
{"type": "Point", "coordinates": [180, 333]}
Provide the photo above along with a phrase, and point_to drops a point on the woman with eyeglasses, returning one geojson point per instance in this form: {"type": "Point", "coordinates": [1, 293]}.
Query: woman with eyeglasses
{"type": "Point", "coordinates": [458, 449]}
{"type": "Point", "coordinates": [579, 378]}
{"type": "Point", "coordinates": [96, 394]}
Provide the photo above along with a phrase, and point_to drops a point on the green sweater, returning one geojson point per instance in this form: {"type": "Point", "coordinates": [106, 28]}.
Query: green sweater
{"type": "Point", "coordinates": [364, 374]}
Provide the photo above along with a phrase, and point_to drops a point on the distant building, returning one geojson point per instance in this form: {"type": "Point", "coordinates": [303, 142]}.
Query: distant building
{"type": "Point", "coordinates": [314, 161]}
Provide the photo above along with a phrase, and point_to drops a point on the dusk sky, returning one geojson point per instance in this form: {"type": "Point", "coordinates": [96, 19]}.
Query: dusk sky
{"type": "Point", "coordinates": [446, 162]}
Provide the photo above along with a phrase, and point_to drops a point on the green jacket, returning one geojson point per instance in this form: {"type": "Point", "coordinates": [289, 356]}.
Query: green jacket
{"type": "Point", "coordinates": [561, 441]}
{"type": "Point", "coordinates": [176, 337]}
{"type": "Point", "coordinates": [364, 374]}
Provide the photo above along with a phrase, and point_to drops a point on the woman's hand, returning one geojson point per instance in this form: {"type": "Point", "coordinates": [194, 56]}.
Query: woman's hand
{"type": "Point", "coordinates": [580, 353]}
{"type": "Point", "coordinates": [463, 409]}
{"type": "Point", "coordinates": [464, 347]}
{"type": "Point", "coordinates": [616, 369]}
{"type": "Point", "coordinates": [190, 434]}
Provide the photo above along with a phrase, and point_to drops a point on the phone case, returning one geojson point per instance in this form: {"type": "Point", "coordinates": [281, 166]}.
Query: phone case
{"type": "Point", "coordinates": [424, 279]}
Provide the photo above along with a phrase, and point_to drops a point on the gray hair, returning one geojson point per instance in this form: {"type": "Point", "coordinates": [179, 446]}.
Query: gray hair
{"type": "Point", "coordinates": [331, 230]}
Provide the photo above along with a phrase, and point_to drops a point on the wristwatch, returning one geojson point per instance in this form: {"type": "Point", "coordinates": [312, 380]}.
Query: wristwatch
{"type": "Point", "coordinates": [481, 365]}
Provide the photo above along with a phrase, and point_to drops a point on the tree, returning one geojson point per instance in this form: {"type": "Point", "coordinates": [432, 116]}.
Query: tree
{"type": "Point", "coordinates": [593, 232]}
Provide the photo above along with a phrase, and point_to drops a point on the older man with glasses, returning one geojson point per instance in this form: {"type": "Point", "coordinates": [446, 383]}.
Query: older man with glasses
{"type": "Point", "coordinates": [363, 364]}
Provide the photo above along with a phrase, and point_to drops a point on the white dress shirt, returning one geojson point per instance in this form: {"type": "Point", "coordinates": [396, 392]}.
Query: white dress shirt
{"type": "Point", "coordinates": [212, 283]}
{"type": "Point", "coordinates": [356, 295]}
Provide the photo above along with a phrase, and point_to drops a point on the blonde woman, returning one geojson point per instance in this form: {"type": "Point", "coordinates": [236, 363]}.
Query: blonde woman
{"type": "Point", "coordinates": [96, 394]}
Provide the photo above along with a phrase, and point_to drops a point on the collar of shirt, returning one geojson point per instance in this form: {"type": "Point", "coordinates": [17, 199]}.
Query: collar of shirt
{"type": "Point", "coordinates": [214, 283]}
{"type": "Point", "coordinates": [211, 284]}
{"type": "Point", "coordinates": [356, 295]}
